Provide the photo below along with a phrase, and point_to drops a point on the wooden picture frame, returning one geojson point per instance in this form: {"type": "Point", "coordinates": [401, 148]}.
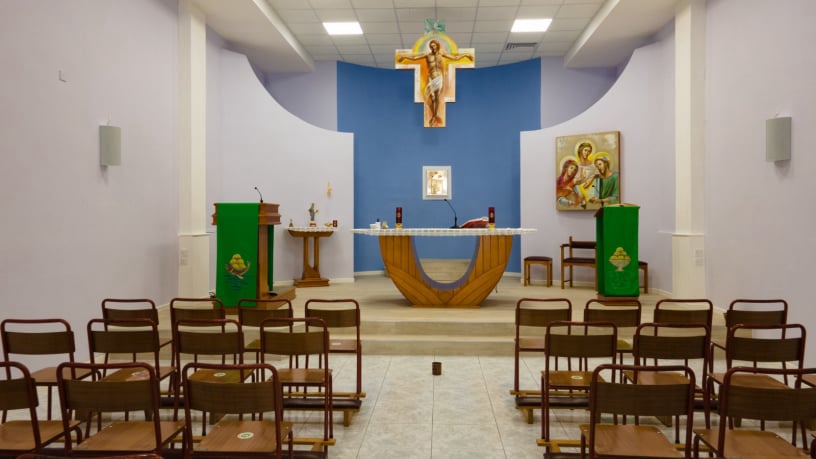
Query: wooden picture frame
{"type": "Point", "coordinates": [587, 171]}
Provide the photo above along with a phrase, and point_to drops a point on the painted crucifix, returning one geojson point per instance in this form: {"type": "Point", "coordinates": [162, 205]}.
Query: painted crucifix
{"type": "Point", "coordinates": [434, 59]}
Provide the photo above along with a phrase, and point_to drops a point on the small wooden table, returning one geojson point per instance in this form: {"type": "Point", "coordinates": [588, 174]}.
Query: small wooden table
{"type": "Point", "coordinates": [311, 272]}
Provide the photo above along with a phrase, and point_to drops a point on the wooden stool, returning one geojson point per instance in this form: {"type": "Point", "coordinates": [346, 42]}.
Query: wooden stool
{"type": "Point", "coordinates": [643, 266]}
{"type": "Point", "coordinates": [532, 260]}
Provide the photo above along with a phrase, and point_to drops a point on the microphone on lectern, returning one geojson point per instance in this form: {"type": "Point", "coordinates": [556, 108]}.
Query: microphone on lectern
{"type": "Point", "coordinates": [455, 219]}
{"type": "Point", "coordinates": [259, 193]}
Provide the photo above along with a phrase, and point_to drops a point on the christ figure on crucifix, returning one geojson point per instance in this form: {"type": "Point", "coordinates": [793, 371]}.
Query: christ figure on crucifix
{"type": "Point", "coordinates": [435, 64]}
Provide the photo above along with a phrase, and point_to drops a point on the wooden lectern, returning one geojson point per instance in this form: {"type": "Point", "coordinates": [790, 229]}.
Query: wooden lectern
{"type": "Point", "coordinates": [616, 233]}
{"type": "Point", "coordinates": [245, 246]}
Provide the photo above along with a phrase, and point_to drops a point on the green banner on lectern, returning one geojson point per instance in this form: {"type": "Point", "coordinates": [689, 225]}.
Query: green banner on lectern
{"type": "Point", "coordinates": [616, 232]}
{"type": "Point", "coordinates": [237, 258]}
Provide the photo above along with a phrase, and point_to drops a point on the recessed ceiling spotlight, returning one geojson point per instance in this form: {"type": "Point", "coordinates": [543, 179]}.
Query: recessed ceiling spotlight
{"type": "Point", "coordinates": [343, 28]}
{"type": "Point", "coordinates": [531, 25]}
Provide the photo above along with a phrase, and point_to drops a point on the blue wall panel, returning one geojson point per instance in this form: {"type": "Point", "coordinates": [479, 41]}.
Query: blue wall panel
{"type": "Point", "coordinates": [480, 143]}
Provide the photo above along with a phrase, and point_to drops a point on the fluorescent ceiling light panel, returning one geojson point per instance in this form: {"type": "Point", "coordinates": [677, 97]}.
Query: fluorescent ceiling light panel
{"type": "Point", "coordinates": [343, 28]}
{"type": "Point", "coordinates": [531, 25]}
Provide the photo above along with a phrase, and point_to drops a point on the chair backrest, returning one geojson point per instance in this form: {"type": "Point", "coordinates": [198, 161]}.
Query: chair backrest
{"type": "Point", "coordinates": [684, 311]}
{"type": "Point", "coordinates": [582, 246]}
{"type": "Point", "coordinates": [124, 336]}
{"type": "Point", "coordinates": [757, 312]}
{"type": "Point", "coordinates": [259, 396]}
{"type": "Point", "coordinates": [658, 343]}
{"type": "Point", "coordinates": [539, 312]}
{"type": "Point", "coordinates": [608, 395]}
{"type": "Point", "coordinates": [765, 344]}
{"type": "Point", "coordinates": [253, 311]}
{"type": "Point", "coordinates": [797, 403]}
{"type": "Point", "coordinates": [580, 340]}
{"type": "Point", "coordinates": [196, 308]}
{"type": "Point", "coordinates": [336, 313]}
{"type": "Point", "coordinates": [295, 338]}
{"type": "Point", "coordinates": [624, 313]}
{"type": "Point", "coordinates": [17, 392]}
{"type": "Point", "coordinates": [94, 396]}
{"type": "Point", "coordinates": [195, 338]}
{"type": "Point", "coordinates": [37, 337]}
{"type": "Point", "coordinates": [129, 308]}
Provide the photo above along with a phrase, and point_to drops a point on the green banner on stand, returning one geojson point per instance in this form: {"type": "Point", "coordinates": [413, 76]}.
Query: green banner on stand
{"type": "Point", "coordinates": [616, 231]}
{"type": "Point", "coordinates": [237, 258]}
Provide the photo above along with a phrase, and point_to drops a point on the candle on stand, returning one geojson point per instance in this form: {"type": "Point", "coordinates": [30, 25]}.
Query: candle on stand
{"type": "Point", "coordinates": [491, 217]}
{"type": "Point", "coordinates": [399, 217]}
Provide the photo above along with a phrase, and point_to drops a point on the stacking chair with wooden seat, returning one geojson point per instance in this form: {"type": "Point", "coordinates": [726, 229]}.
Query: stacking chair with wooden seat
{"type": "Point", "coordinates": [40, 337]}
{"type": "Point", "coordinates": [532, 317]}
{"type": "Point", "coordinates": [213, 340]}
{"type": "Point", "coordinates": [263, 435]}
{"type": "Point", "coordinates": [299, 350]}
{"type": "Point", "coordinates": [342, 317]}
{"type": "Point", "coordinates": [751, 312]}
{"type": "Point", "coordinates": [252, 312]}
{"type": "Point", "coordinates": [624, 313]}
{"type": "Point", "coordinates": [94, 396]}
{"type": "Point", "coordinates": [684, 311]}
{"type": "Point", "coordinates": [195, 308]}
{"type": "Point", "coordinates": [18, 394]}
{"type": "Point", "coordinates": [574, 344]}
{"type": "Point", "coordinates": [767, 346]}
{"type": "Point", "coordinates": [673, 397]}
{"type": "Point", "coordinates": [577, 253]}
{"type": "Point", "coordinates": [134, 340]}
{"type": "Point", "coordinates": [763, 345]}
{"type": "Point", "coordinates": [133, 308]}
{"type": "Point", "coordinates": [668, 343]}
{"type": "Point", "coordinates": [795, 404]}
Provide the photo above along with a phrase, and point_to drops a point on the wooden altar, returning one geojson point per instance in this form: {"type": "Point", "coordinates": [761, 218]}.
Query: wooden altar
{"type": "Point", "coordinates": [484, 273]}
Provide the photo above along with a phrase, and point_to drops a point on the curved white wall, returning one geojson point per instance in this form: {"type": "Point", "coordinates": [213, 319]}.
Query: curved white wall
{"type": "Point", "coordinates": [641, 106]}
{"type": "Point", "coordinates": [292, 162]}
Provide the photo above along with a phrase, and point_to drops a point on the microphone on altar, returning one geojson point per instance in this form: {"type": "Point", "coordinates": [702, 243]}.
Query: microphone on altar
{"type": "Point", "coordinates": [455, 218]}
{"type": "Point", "coordinates": [259, 194]}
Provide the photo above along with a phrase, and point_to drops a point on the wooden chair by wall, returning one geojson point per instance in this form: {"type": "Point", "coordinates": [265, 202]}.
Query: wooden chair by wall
{"type": "Point", "coordinates": [27, 434]}
{"type": "Point", "coordinates": [674, 397]}
{"type": "Point", "coordinates": [342, 316]}
{"type": "Point", "coordinates": [532, 317]}
{"type": "Point", "coordinates": [94, 396]}
{"type": "Point", "coordinates": [40, 337]}
{"type": "Point", "coordinates": [577, 254]}
{"type": "Point", "coordinates": [263, 435]}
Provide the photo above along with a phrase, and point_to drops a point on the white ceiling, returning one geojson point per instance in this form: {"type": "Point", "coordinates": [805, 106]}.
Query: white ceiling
{"type": "Point", "coordinates": [288, 36]}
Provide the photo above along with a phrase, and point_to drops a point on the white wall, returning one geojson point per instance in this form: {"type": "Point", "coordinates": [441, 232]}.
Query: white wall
{"type": "Point", "coordinates": [639, 105]}
{"type": "Point", "coordinates": [760, 239]}
{"type": "Point", "coordinates": [290, 161]}
{"type": "Point", "coordinates": [72, 232]}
